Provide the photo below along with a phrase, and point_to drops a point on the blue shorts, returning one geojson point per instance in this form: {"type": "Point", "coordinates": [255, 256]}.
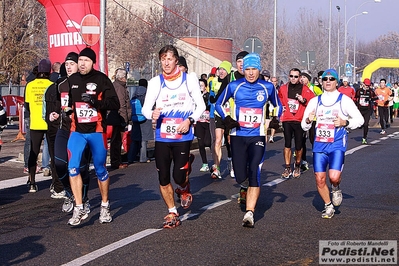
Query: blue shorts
{"type": "Point", "coordinates": [334, 159]}
{"type": "Point", "coordinates": [97, 143]}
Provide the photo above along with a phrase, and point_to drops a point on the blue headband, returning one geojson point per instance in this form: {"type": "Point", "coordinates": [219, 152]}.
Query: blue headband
{"type": "Point", "coordinates": [252, 60]}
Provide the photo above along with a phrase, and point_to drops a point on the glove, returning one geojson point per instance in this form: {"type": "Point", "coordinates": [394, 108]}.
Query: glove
{"type": "Point", "coordinates": [212, 99]}
{"type": "Point", "coordinates": [230, 123]}
{"type": "Point", "coordinates": [87, 98]}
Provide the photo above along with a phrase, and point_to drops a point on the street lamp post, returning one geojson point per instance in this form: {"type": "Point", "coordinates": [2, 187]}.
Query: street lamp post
{"type": "Point", "coordinates": [329, 38]}
{"type": "Point", "coordinates": [346, 54]}
{"type": "Point", "coordinates": [275, 39]}
{"type": "Point", "coordinates": [339, 25]}
{"type": "Point", "coordinates": [354, 37]}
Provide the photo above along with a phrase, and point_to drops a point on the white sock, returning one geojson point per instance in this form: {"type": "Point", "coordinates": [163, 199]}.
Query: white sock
{"type": "Point", "coordinates": [174, 210]}
{"type": "Point", "coordinates": [104, 204]}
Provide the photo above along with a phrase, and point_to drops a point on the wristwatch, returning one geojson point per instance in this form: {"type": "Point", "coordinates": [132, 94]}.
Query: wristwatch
{"type": "Point", "coordinates": [191, 120]}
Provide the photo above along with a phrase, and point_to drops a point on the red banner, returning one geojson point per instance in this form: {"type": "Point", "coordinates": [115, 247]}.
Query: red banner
{"type": "Point", "coordinates": [63, 26]}
{"type": "Point", "coordinates": [10, 104]}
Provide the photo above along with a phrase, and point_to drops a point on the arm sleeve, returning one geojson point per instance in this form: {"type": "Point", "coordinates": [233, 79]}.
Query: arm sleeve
{"type": "Point", "coordinates": [154, 87]}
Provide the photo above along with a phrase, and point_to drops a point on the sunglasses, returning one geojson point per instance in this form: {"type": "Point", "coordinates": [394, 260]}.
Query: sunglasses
{"type": "Point", "coordinates": [328, 78]}
{"type": "Point", "coordinates": [292, 76]}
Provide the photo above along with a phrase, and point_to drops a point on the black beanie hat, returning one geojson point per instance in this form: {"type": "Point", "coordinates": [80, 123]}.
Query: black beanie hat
{"type": "Point", "coordinates": [44, 66]}
{"type": "Point", "coordinates": [72, 56]}
{"type": "Point", "coordinates": [241, 55]}
{"type": "Point", "coordinates": [63, 72]}
{"type": "Point", "coordinates": [89, 53]}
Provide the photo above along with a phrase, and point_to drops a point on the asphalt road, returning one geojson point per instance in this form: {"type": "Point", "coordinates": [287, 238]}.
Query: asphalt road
{"type": "Point", "coordinates": [288, 223]}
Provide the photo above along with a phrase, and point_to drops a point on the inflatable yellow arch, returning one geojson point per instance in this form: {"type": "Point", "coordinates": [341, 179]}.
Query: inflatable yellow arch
{"type": "Point", "coordinates": [377, 64]}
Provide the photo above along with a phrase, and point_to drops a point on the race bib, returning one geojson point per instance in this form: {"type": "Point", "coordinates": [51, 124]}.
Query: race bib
{"type": "Point", "coordinates": [363, 102]}
{"type": "Point", "coordinates": [325, 132]}
{"type": "Point", "coordinates": [250, 117]}
{"type": "Point", "coordinates": [169, 128]}
{"type": "Point", "coordinates": [64, 99]}
{"type": "Point", "coordinates": [293, 105]}
{"type": "Point", "coordinates": [86, 113]}
{"type": "Point", "coordinates": [205, 117]}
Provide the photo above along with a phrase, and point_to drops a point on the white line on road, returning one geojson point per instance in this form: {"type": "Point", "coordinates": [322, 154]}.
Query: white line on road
{"type": "Point", "coordinates": [111, 247]}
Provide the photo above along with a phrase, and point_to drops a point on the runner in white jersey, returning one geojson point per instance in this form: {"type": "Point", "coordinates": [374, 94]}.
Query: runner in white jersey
{"type": "Point", "coordinates": [333, 112]}
{"type": "Point", "coordinates": [178, 104]}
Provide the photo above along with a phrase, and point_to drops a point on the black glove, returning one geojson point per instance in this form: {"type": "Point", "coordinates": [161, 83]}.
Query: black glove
{"type": "Point", "coordinates": [230, 123]}
{"type": "Point", "coordinates": [87, 98]}
{"type": "Point", "coordinates": [212, 99]}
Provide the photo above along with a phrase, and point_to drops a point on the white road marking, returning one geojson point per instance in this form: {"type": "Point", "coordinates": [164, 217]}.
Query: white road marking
{"type": "Point", "coordinates": [111, 247]}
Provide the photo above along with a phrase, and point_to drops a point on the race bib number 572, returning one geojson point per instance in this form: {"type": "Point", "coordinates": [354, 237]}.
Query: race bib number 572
{"type": "Point", "coordinates": [86, 113]}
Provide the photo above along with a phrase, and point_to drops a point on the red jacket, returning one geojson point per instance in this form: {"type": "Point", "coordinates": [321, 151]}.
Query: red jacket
{"type": "Point", "coordinates": [293, 109]}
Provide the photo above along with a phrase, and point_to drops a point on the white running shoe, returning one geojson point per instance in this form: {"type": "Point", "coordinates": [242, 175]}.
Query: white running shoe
{"type": "Point", "coordinates": [78, 216]}
{"type": "Point", "coordinates": [60, 195]}
{"type": "Point", "coordinates": [204, 168]}
{"type": "Point", "coordinates": [105, 215]}
{"type": "Point", "coordinates": [67, 206]}
{"type": "Point", "coordinates": [248, 220]}
{"type": "Point", "coordinates": [336, 196]}
{"type": "Point", "coordinates": [328, 211]}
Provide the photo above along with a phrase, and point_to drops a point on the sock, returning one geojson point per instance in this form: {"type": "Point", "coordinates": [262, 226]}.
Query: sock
{"type": "Point", "coordinates": [250, 211]}
{"type": "Point", "coordinates": [104, 204]}
{"type": "Point", "coordinates": [80, 206]}
{"type": "Point", "coordinates": [174, 210]}
{"type": "Point", "coordinates": [328, 204]}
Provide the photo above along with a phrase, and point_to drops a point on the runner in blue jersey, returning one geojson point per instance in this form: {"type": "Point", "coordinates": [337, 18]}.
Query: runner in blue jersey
{"type": "Point", "coordinates": [178, 104]}
{"type": "Point", "coordinates": [247, 124]}
{"type": "Point", "coordinates": [333, 112]}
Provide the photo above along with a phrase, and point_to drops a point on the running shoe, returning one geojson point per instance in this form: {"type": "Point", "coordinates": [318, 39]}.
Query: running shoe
{"type": "Point", "coordinates": [186, 198]}
{"type": "Point", "coordinates": [248, 220]}
{"type": "Point", "coordinates": [364, 141]}
{"type": "Point", "coordinates": [60, 195]}
{"type": "Point", "coordinates": [336, 196]}
{"type": "Point", "coordinates": [26, 170]}
{"type": "Point", "coordinates": [204, 168]}
{"type": "Point", "coordinates": [67, 206]}
{"type": "Point", "coordinates": [46, 172]}
{"type": "Point", "coordinates": [271, 140]}
{"type": "Point", "coordinates": [105, 215]}
{"type": "Point", "coordinates": [328, 211]}
{"type": "Point", "coordinates": [287, 173]}
{"type": "Point", "coordinates": [297, 171]}
{"type": "Point", "coordinates": [242, 197]}
{"type": "Point", "coordinates": [172, 220]}
{"type": "Point", "coordinates": [33, 188]}
{"type": "Point", "coordinates": [304, 166]}
{"type": "Point", "coordinates": [86, 205]}
{"type": "Point", "coordinates": [216, 172]}
{"type": "Point", "coordinates": [77, 216]}
{"type": "Point", "coordinates": [232, 175]}
{"type": "Point", "coordinates": [382, 132]}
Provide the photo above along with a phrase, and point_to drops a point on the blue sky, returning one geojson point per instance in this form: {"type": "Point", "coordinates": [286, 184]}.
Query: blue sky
{"type": "Point", "coordinates": [381, 18]}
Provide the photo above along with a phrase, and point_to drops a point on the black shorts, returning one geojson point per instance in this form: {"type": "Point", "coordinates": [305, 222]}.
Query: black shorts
{"type": "Point", "coordinates": [219, 122]}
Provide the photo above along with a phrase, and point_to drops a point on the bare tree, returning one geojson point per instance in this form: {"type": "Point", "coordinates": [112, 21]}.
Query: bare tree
{"type": "Point", "coordinates": [22, 37]}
